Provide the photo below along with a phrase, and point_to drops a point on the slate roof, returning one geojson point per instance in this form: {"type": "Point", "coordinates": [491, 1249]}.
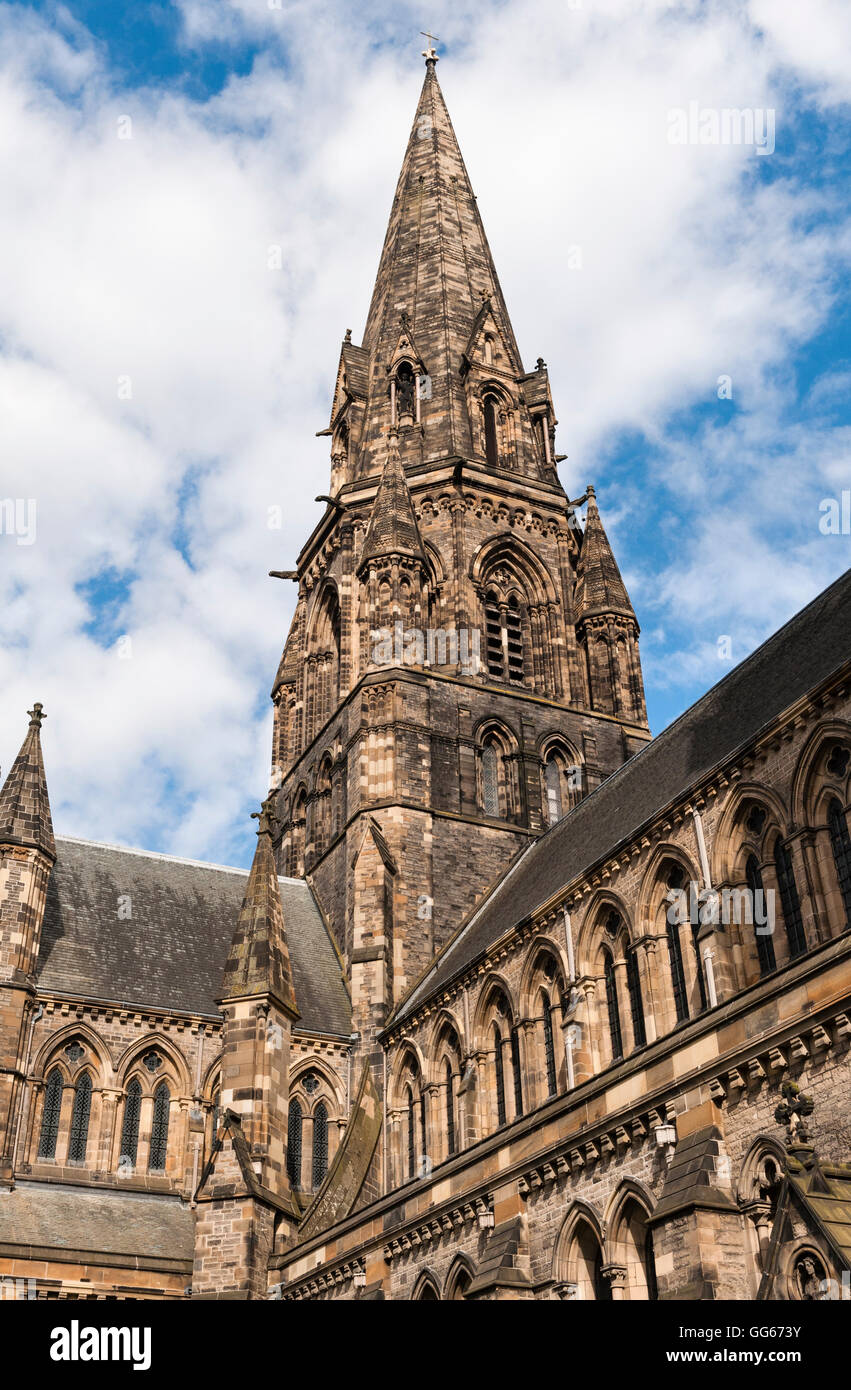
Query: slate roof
{"type": "Point", "coordinates": [826, 1194]}
{"type": "Point", "coordinates": [812, 646]}
{"type": "Point", "coordinates": [171, 952]}
{"type": "Point", "coordinates": [139, 1226]}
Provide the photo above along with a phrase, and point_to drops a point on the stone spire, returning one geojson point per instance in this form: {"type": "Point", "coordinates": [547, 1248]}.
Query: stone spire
{"type": "Point", "coordinates": [259, 960]}
{"type": "Point", "coordinates": [392, 528]}
{"type": "Point", "coordinates": [24, 804]}
{"type": "Point", "coordinates": [435, 292]}
{"type": "Point", "coordinates": [599, 587]}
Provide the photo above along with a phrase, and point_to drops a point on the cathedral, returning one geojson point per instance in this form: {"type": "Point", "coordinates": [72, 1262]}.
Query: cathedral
{"type": "Point", "coordinates": [515, 1002]}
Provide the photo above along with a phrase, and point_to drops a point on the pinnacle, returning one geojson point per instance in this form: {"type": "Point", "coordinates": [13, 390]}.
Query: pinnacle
{"type": "Point", "coordinates": [24, 803]}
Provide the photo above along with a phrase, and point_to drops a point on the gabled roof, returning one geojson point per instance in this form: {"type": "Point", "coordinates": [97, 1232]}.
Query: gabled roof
{"type": "Point", "coordinates": [599, 587]}
{"type": "Point", "coordinates": [24, 804]}
{"type": "Point", "coordinates": [169, 953]}
{"type": "Point", "coordinates": [813, 646]}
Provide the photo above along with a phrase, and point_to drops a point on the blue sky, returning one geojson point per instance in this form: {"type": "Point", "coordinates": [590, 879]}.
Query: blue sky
{"type": "Point", "coordinates": [160, 388]}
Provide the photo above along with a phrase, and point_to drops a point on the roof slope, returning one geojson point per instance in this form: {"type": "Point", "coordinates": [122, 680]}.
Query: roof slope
{"type": "Point", "coordinates": [139, 1226]}
{"type": "Point", "coordinates": [170, 953]}
{"type": "Point", "coordinates": [812, 646]}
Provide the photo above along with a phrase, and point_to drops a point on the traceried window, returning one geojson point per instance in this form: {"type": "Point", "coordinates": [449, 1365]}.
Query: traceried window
{"type": "Point", "coordinates": [80, 1119]}
{"type": "Point", "coordinates": [320, 1143]}
{"type": "Point", "coordinates": [159, 1129]}
{"type": "Point", "coordinates": [789, 900]}
{"type": "Point", "coordinates": [636, 1008]}
{"type": "Point", "coordinates": [294, 1128]}
{"type": "Point", "coordinates": [840, 843]}
{"type": "Point", "coordinates": [50, 1115]}
{"type": "Point", "coordinates": [615, 1035]}
{"type": "Point", "coordinates": [130, 1127]}
{"type": "Point", "coordinates": [764, 944]}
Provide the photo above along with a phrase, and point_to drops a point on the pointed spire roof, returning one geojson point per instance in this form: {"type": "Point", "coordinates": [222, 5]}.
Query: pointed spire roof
{"type": "Point", "coordinates": [392, 528]}
{"type": "Point", "coordinates": [599, 587]}
{"type": "Point", "coordinates": [436, 272]}
{"type": "Point", "coordinates": [24, 804]}
{"type": "Point", "coordinates": [259, 960]}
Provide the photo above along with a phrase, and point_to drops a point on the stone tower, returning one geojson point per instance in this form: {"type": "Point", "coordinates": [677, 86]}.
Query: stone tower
{"type": "Point", "coordinates": [27, 854]}
{"type": "Point", "coordinates": [462, 665]}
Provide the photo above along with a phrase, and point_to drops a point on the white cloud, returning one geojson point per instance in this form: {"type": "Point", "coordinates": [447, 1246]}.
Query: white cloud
{"type": "Point", "coordinates": [147, 258]}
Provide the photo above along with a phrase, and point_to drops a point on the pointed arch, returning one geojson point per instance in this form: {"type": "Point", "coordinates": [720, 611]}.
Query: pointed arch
{"type": "Point", "coordinates": [461, 1274]}
{"type": "Point", "coordinates": [98, 1058]}
{"type": "Point", "coordinates": [426, 1288]}
{"type": "Point", "coordinates": [174, 1064]}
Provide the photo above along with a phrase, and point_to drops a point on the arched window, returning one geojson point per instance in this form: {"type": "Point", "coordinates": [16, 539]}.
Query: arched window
{"type": "Point", "coordinates": [636, 1008]}
{"type": "Point", "coordinates": [450, 1109]}
{"type": "Point", "coordinates": [504, 638]}
{"type": "Point", "coordinates": [518, 1074]}
{"type": "Point", "coordinates": [294, 1127]}
{"type": "Point", "coordinates": [159, 1129]}
{"type": "Point", "coordinates": [549, 1045]}
{"type": "Point", "coordinates": [789, 900]}
{"type": "Point", "coordinates": [764, 944]}
{"type": "Point", "coordinates": [130, 1127]}
{"type": "Point", "coordinates": [80, 1120]}
{"type": "Point", "coordinates": [552, 773]}
{"type": "Point", "coordinates": [490, 779]}
{"type": "Point", "coordinates": [615, 1036]}
{"type": "Point", "coordinates": [840, 843]}
{"type": "Point", "coordinates": [50, 1115]}
{"type": "Point", "coordinates": [491, 410]}
{"type": "Point", "coordinates": [320, 1143]}
{"type": "Point", "coordinates": [411, 1142]}
{"type": "Point", "coordinates": [499, 1075]}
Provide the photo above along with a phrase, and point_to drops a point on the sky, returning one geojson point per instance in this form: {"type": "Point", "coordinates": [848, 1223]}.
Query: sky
{"type": "Point", "coordinates": [195, 195]}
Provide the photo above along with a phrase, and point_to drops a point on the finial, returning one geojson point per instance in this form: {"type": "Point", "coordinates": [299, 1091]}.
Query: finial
{"type": "Point", "coordinates": [541, 364]}
{"type": "Point", "coordinates": [266, 816]}
{"type": "Point", "coordinates": [485, 296]}
{"type": "Point", "coordinates": [590, 492]}
{"type": "Point", "coordinates": [348, 337]}
{"type": "Point", "coordinates": [430, 53]}
{"type": "Point", "coordinates": [36, 715]}
{"type": "Point", "coordinates": [792, 1112]}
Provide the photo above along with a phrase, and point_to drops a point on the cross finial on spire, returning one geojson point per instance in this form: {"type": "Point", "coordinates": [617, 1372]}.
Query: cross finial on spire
{"type": "Point", "coordinates": [266, 816]}
{"type": "Point", "coordinates": [430, 53]}
{"type": "Point", "coordinates": [36, 715]}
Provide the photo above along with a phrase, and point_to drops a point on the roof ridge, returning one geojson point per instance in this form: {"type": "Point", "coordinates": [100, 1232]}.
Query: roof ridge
{"type": "Point", "coordinates": [170, 858]}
